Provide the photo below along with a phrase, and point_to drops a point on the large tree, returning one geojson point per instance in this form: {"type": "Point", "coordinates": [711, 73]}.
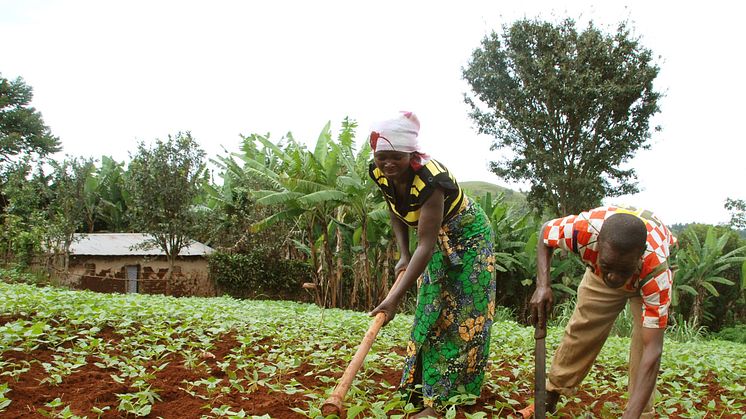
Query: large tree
{"type": "Point", "coordinates": [25, 221]}
{"type": "Point", "coordinates": [22, 130]}
{"type": "Point", "coordinates": [66, 210]}
{"type": "Point", "coordinates": [571, 106]}
{"type": "Point", "coordinates": [163, 181]}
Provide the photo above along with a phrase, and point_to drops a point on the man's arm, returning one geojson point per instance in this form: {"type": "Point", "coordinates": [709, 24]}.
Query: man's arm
{"type": "Point", "coordinates": [541, 301]}
{"type": "Point", "coordinates": [647, 372]}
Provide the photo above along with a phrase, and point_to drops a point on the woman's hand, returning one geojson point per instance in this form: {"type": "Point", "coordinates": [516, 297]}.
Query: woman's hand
{"type": "Point", "coordinates": [401, 265]}
{"type": "Point", "coordinates": [387, 307]}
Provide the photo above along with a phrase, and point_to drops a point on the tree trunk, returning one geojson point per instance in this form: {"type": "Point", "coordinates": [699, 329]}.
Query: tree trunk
{"type": "Point", "coordinates": [388, 256]}
{"type": "Point", "coordinates": [326, 265]}
{"type": "Point", "coordinates": [314, 265]}
{"type": "Point", "coordinates": [366, 265]}
{"type": "Point", "coordinates": [697, 308]}
{"type": "Point", "coordinates": [91, 220]}
{"type": "Point", "coordinates": [66, 262]}
{"type": "Point", "coordinates": [356, 283]}
{"type": "Point", "coordinates": [171, 263]}
{"type": "Point", "coordinates": [339, 271]}
{"type": "Point", "coordinates": [66, 257]}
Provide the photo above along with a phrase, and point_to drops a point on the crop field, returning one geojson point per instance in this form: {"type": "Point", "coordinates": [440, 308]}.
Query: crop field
{"type": "Point", "coordinates": [74, 354]}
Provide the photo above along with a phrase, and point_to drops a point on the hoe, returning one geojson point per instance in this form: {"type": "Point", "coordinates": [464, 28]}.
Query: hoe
{"type": "Point", "coordinates": [538, 408]}
{"type": "Point", "coordinates": [333, 405]}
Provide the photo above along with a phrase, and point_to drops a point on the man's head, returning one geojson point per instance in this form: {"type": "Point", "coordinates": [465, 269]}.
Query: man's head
{"type": "Point", "coordinates": [621, 244]}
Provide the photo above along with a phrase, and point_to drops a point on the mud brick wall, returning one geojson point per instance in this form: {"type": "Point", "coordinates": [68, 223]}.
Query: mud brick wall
{"type": "Point", "coordinates": [102, 284]}
{"type": "Point", "coordinates": [193, 283]}
{"type": "Point", "coordinates": [109, 274]}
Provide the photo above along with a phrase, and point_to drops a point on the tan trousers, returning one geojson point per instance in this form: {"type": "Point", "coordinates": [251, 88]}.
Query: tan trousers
{"type": "Point", "coordinates": [597, 308]}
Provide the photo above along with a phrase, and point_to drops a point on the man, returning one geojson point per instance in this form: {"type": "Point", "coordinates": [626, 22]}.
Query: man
{"type": "Point", "coordinates": [626, 251]}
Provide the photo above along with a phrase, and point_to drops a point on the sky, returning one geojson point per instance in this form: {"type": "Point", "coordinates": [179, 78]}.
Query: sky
{"type": "Point", "coordinates": [108, 74]}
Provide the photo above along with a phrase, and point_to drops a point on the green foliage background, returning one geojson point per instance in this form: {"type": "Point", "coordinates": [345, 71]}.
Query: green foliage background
{"type": "Point", "coordinates": [258, 275]}
{"type": "Point", "coordinates": [572, 104]}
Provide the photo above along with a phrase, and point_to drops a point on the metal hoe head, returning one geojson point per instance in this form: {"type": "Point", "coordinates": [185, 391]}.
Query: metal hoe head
{"type": "Point", "coordinates": [540, 375]}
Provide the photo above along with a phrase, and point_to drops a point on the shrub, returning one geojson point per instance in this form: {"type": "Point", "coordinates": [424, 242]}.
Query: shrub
{"type": "Point", "coordinates": [258, 274]}
{"type": "Point", "coordinates": [733, 334]}
{"type": "Point", "coordinates": [19, 273]}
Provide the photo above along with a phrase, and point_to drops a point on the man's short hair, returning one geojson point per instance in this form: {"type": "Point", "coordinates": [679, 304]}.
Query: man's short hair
{"type": "Point", "coordinates": [624, 232]}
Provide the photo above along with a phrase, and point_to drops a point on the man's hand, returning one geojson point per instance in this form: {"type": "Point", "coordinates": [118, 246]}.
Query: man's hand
{"type": "Point", "coordinates": [647, 372]}
{"type": "Point", "coordinates": [541, 306]}
{"type": "Point", "coordinates": [388, 307]}
{"type": "Point", "coordinates": [541, 301]}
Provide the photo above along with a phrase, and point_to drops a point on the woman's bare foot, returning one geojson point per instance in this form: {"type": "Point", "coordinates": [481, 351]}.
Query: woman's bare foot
{"type": "Point", "coordinates": [429, 412]}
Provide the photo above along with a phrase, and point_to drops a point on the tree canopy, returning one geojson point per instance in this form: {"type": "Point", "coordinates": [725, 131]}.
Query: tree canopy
{"type": "Point", "coordinates": [737, 209]}
{"type": "Point", "coordinates": [22, 130]}
{"type": "Point", "coordinates": [571, 106]}
{"type": "Point", "coordinates": [164, 181]}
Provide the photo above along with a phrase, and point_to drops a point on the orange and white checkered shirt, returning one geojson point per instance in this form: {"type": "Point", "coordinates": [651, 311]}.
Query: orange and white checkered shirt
{"type": "Point", "coordinates": [579, 233]}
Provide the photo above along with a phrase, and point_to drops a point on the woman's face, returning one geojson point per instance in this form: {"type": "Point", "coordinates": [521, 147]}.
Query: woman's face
{"type": "Point", "coordinates": [393, 164]}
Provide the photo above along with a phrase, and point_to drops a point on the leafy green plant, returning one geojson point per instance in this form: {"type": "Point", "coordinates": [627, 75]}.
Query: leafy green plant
{"type": "Point", "coordinates": [623, 323]}
{"type": "Point", "coordinates": [562, 313]}
{"type": "Point", "coordinates": [4, 401]}
{"type": "Point", "coordinates": [258, 273]}
{"type": "Point", "coordinates": [163, 182]}
{"type": "Point", "coordinates": [734, 334]}
{"type": "Point", "coordinates": [64, 413]}
{"type": "Point", "coordinates": [226, 411]}
{"type": "Point", "coordinates": [274, 341]}
{"type": "Point", "coordinates": [700, 266]}
{"type": "Point", "coordinates": [536, 90]}
{"type": "Point", "coordinates": [140, 402]}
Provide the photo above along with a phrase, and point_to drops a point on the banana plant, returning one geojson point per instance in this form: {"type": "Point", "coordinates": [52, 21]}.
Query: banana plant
{"type": "Point", "coordinates": [112, 211]}
{"type": "Point", "coordinates": [700, 268]}
{"type": "Point", "coordinates": [370, 231]}
{"type": "Point", "coordinates": [301, 186]}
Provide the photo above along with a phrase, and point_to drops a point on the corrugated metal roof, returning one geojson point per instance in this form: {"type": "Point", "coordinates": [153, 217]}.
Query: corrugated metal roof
{"type": "Point", "coordinates": [125, 244]}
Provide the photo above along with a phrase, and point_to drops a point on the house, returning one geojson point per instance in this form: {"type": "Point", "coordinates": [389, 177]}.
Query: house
{"type": "Point", "coordinates": [119, 262]}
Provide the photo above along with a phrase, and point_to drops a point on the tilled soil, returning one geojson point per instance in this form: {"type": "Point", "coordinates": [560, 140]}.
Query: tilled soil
{"type": "Point", "coordinates": [92, 390]}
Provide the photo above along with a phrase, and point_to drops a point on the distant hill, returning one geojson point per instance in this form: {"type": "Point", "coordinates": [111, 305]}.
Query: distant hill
{"type": "Point", "coordinates": [478, 188]}
{"type": "Point", "coordinates": [678, 228]}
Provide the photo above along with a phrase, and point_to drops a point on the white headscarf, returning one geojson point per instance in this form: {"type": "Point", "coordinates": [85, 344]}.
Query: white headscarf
{"type": "Point", "coordinates": [397, 134]}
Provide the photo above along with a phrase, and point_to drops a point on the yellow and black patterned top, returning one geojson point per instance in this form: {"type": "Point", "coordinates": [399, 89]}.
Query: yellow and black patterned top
{"type": "Point", "coordinates": [432, 175]}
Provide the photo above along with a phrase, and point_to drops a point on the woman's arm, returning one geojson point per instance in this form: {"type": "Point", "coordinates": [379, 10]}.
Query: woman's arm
{"type": "Point", "coordinates": [431, 218]}
{"type": "Point", "coordinates": [401, 232]}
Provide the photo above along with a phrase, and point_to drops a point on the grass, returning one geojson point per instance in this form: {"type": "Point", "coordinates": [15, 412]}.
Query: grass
{"type": "Point", "coordinates": [276, 341]}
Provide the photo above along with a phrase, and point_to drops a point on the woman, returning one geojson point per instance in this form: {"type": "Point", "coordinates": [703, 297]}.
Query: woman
{"type": "Point", "coordinates": [449, 342]}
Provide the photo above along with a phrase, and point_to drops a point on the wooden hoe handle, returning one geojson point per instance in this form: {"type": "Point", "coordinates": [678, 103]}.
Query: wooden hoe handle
{"type": "Point", "coordinates": [333, 405]}
{"type": "Point", "coordinates": [537, 410]}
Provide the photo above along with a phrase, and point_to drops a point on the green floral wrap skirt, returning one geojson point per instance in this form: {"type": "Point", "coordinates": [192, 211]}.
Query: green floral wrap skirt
{"type": "Point", "coordinates": [455, 310]}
